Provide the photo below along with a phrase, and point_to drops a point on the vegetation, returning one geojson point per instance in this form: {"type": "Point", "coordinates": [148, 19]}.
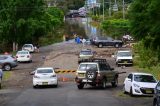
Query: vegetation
{"type": "Point", "coordinates": [116, 27]}
{"type": "Point", "coordinates": [23, 21]}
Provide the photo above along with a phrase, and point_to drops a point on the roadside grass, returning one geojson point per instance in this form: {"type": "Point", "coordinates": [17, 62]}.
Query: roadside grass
{"type": "Point", "coordinates": [6, 75]}
{"type": "Point", "coordinates": [121, 94]}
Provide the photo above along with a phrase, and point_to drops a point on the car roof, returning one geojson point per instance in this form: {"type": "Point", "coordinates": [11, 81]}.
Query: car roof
{"type": "Point", "coordinates": [44, 68]}
{"type": "Point", "coordinates": [141, 73]}
{"type": "Point", "coordinates": [124, 51]}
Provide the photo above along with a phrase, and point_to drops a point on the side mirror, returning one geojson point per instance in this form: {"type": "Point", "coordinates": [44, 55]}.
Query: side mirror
{"type": "Point", "coordinates": [32, 73]}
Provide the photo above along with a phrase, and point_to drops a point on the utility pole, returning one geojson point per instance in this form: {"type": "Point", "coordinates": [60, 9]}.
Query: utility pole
{"type": "Point", "coordinates": [103, 10]}
{"type": "Point", "coordinates": [110, 8]}
{"type": "Point", "coordinates": [123, 10]}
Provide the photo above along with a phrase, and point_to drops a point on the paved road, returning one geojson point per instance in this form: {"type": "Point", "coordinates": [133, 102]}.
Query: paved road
{"type": "Point", "coordinates": [67, 94]}
{"type": "Point", "coordinates": [19, 91]}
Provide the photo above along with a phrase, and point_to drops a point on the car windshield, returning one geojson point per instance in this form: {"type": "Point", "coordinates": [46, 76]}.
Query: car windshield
{"type": "Point", "coordinates": [44, 71]}
{"type": "Point", "coordinates": [85, 67]}
{"type": "Point", "coordinates": [86, 53]}
{"type": "Point", "coordinates": [144, 78]}
{"type": "Point", "coordinates": [22, 52]}
{"type": "Point", "coordinates": [27, 46]}
{"type": "Point", "coordinates": [124, 54]}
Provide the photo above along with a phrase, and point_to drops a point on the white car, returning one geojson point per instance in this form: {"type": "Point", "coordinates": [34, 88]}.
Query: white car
{"type": "Point", "coordinates": [24, 56]}
{"type": "Point", "coordinates": [124, 57]}
{"type": "Point", "coordinates": [140, 84]}
{"type": "Point", "coordinates": [45, 76]}
{"type": "Point", "coordinates": [28, 47]}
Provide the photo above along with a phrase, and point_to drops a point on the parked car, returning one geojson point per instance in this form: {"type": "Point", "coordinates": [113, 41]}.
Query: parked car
{"type": "Point", "coordinates": [156, 100]}
{"type": "Point", "coordinates": [140, 84]}
{"type": "Point", "coordinates": [24, 56]}
{"type": "Point", "coordinates": [8, 62]}
{"type": "Point", "coordinates": [85, 54]}
{"type": "Point", "coordinates": [96, 72]}
{"type": "Point", "coordinates": [1, 76]}
{"type": "Point", "coordinates": [123, 57]}
{"type": "Point", "coordinates": [106, 41]}
{"type": "Point", "coordinates": [28, 47]}
{"type": "Point", "coordinates": [45, 76]}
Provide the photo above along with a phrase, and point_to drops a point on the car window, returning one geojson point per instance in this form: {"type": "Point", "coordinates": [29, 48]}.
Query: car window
{"type": "Point", "coordinates": [3, 57]}
{"type": "Point", "coordinates": [86, 53]}
{"type": "Point", "coordinates": [124, 54]}
{"type": "Point", "coordinates": [22, 53]}
{"type": "Point", "coordinates": [85, 67]}
{"type": "Point", "coordinates": [158, 86]}
{"type": "Point", "coordinates": [104, 67]}
{"type": "Point", "coordinates": [130, 76]}
{"type": "Point", "coordinates": [144, 78]}
{"type": "Point", "coordinates": [45, 71]}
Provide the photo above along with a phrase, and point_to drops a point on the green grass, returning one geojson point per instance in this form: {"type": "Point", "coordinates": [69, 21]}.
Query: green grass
{"type": "Point", "coordinates": [6, 75]}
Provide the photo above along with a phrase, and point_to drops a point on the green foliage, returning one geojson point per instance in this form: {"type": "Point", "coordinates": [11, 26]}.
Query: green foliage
{"type": "Point", "coordinates": [115, 27]}
{"type": "Point", "coordinates": [25, 21]}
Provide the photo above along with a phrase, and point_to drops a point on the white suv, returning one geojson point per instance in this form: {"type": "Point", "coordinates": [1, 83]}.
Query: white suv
{"type": "Point", "coordinates": [28, 47]}
{"type": "Point", "coordinates": [124, 57]}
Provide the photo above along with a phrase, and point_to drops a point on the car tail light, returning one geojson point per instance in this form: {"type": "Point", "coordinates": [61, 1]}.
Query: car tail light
{"type": "Point", "coordinates": [35, 76]}
{"type": "Point", "coordinates": [16, 56]}
{"type": "Point", "coordinates": [28, 56]}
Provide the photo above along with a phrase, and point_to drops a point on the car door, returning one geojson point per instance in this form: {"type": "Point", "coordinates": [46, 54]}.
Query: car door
{"type": "Point", "coordinates": [128, 82]}
{"type": "Point", "coordinates": [107, 72]}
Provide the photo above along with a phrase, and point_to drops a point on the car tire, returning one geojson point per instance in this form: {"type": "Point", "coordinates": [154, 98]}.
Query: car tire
{"type": "Point", "coordinates": [80, 86]}
{"type": "Point", "coordinates": [100, 45]}
{"type": "Point", "coordinates": [131, 92]}
{"type": "Point", "coordinates": [104, 83]}
{"type": "Point", "coordinates": [155, 103]}
{"type": "Point", "coordinates": [91, 75]}
{"type": "Point", "coordinates": [117, 45]}
{"type": "Point", "coordinates": [35, 86]}
{"type": "Point", "coordinates": [0, 86]}
{"type": "Point", "coordinates": [115, 82]}
{"type": "Point", "coordinates": [124, 90]}
{"type": "Point", "coordinates": [7, 67]}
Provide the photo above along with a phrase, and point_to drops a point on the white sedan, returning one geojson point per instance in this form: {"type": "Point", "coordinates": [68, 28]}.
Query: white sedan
{"type": "Point", "coordinates": [45, 76]}
{"type": "Point", "coordinates": [140, 84]}
{"type": "Point", "coordinates": [23, 56]}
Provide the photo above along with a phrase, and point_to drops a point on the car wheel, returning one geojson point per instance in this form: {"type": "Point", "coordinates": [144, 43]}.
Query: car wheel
{"type": "Point", "coordinates": [131, 92]}
{"type": "Point", "coordinates": [124, 90]}
{"type": "Point", "coordinates": [35, 86]}
{"type": "Point", "coordinates": [115, 82]}
{"type": "Point", "coordinates": [80, 86]}
{"type": "Point", "coordinates": [91, 75]}
{"type": "Point", "coordinates": [100, 45]}
{"type": "Point", "coordinates": [155, 103]}
{"type": "Point", "coordinates": [7, 67]}
{"type": "Point", "coordinates": [104, 84]}
{"type": "Point", "coordinates": [116, 45]}
{"type": "Point", "coordinates": [0, 86]}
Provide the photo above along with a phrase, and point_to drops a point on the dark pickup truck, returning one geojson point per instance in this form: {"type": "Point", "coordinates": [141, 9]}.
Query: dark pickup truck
{"type": "Point", "coordinates": [106, 41]}
{"type": "Point", "coordinates": [96, 72]}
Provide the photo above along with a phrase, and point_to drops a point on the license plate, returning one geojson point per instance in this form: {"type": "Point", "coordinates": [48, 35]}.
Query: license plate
{"type": "Point", "coordinates": [148, 91]}
{"type": "Point", "coordinates": [22, 56]}
{"type": "Point", "coordinates": [81, 75]}
{"type": "Point", "coordinates": [125, 61]}
{"type": "Point", "coordinates": [45, 83]}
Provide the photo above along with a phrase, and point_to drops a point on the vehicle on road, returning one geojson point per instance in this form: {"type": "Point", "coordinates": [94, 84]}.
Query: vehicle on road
{"type": "Point", "coordinates": [8, 62]}
{"type": "Point", "coordinates": [1, 76]}
{"type": "Point", "coordinates": [85, 54]}
{"type": "Point", "coordinates": [24, 56]}
{"type": "Point", "coordinates": [140, 84]}
{"type": "Point", "coordinates": [156, 100]}
{"type": "Point", "coordinates": [28, 47]}
{"type": "Point", "coordinates": [106, 41]}
{"type": "Point", "coordinates": [124, 57]}
{"type": "Point", "coordinates": [45, 76]}
{"type": "Point", "coordinates": [96, 72]}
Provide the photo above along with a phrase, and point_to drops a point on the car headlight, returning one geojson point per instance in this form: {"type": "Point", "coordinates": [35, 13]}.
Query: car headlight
{"type": "Point", "coordinates": [135, 85]}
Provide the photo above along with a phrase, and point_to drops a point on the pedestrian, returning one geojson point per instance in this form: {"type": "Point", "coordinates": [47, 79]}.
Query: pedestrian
{"type": "Point", "coordinates": [1, 74]}
{"type": "Point", "coordinates": [83, 41]}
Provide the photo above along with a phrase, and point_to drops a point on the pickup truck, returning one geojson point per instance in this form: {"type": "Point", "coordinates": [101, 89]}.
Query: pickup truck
{"type": "Point", "coordinates": [107, 41]}
{"type": "Point", "coordinates": [95, 72]}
